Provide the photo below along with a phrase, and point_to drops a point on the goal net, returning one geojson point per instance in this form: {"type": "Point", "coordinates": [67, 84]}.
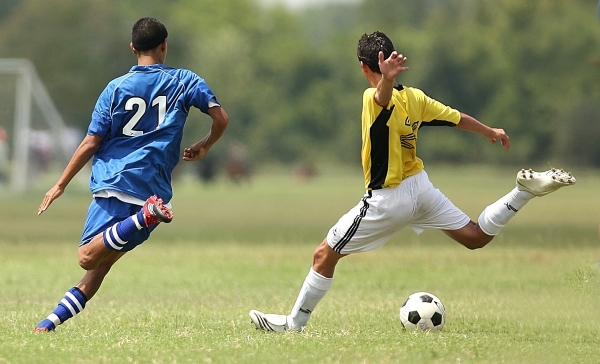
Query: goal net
{"type": "Point", "coordinates": [34, 139]}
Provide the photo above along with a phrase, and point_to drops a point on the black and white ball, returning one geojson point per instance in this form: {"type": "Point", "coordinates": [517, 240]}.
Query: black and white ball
{"type": "Point", "coordinates": [423, 311]}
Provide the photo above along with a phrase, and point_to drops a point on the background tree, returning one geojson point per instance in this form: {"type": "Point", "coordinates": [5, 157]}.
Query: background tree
{"type": "Point", "coordinates": [290, 79]}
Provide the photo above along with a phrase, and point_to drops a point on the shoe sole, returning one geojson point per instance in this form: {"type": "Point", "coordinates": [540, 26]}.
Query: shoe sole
{"type": "Point", "coordinates": [159, 214]}
{"type": "Point", "coordinates": [558, 178]}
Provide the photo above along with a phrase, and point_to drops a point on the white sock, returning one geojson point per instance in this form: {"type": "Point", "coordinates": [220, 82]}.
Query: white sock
{"type": "Point", "coordinates": [314, 288]}
{"type": "Point", "coordinates": [496, 216]}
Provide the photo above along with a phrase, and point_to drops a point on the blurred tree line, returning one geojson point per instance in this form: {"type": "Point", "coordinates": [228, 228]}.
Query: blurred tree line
{"type": "Point", "coordinates": [292, 85]}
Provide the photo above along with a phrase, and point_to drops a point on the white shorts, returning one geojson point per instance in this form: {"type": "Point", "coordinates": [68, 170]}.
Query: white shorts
{"type": "Point", "coordinates": [381, 214]}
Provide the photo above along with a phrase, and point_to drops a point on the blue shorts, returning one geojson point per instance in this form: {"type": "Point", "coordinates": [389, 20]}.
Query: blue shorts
{"type": "Point", "coordinates": [104, 213]}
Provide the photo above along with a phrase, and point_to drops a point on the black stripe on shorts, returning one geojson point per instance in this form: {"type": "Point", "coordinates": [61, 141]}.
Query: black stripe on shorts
{"type": "Point", "coordinates": [352, 230]}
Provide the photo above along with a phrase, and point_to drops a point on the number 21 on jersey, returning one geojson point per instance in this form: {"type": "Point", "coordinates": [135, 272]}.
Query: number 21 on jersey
{"type": "Point", "coordinates": [159, 102]}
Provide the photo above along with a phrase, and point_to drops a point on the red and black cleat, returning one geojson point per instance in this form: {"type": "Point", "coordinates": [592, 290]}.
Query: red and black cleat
{"type": "Point", "coordinates": [154, 211]}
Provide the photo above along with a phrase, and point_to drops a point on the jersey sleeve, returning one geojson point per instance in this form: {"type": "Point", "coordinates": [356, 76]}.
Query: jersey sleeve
{"type": "Point", "coordinates": [369, 104]}
{"type": "Point", "coordinates": [436, 113]}
{"type": "Point", "coordinates": [201, 96]}
{"type": "Point", "coordinates": [101, 123]}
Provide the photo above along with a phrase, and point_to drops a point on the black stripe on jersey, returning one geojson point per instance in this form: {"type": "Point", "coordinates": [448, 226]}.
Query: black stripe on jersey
{"type": "Point", "coordinates": [405, 140]}
{"type": "Point", "coordinates": [379, 133]}
{"type": "Point", "coordinates": [437, 123]}
{"type": "Point", "coordinates": [352, 230]}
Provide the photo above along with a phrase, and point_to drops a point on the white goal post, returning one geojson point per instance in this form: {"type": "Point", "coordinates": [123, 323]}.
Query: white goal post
{"type": "Point", "coordinates": [30, 89]}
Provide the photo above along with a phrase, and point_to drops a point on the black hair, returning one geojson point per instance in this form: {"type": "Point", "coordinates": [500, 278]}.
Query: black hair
{"type": "Point", "coordinates": [147, 34]}
{"type": "Point", "coordinates": [369, 47]}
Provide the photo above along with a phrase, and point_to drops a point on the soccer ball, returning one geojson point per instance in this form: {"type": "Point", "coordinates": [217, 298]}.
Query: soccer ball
{"type": "Point", "coordinates": [422, 311]}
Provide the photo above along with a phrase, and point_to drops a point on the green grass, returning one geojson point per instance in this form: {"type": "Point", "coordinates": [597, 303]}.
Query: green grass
{"type": "Point", "coordinates": [531, 296]}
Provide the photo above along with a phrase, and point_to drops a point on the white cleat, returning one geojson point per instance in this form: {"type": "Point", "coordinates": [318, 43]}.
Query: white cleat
{"type": "Point", "coordinates": [270, 322]}
{"type": "Point", "coordinates": [542, 183]}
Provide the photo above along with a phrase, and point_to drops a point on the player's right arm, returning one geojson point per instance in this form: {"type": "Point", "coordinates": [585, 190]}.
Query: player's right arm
{"type": "Point", "coordinates": [82, 155]}
{"type": "Point", "coordinates": [469, 123]}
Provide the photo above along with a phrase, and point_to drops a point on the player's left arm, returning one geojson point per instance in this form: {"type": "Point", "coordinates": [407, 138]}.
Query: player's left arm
{"type": "Point", "coordinates": [390, 69]}
{"type": "Point", "coordinates": [469, 123]}
{"type": "Point", "coordinates": [82, 155]}
{"type": "Point", "coordinates": [198, 150]}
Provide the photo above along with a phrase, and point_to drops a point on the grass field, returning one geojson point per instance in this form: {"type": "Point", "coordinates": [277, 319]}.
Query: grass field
{"type": "Point", "coordinates": [531, 296]}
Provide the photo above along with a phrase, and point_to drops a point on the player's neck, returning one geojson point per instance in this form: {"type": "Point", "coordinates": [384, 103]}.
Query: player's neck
{"type": "Point", "coordinates": [374, 78]}
{"type": "Point", "coordinates": [148, 60]}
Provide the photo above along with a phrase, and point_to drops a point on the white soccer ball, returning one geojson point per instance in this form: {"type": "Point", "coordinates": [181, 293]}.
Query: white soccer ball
{"type": "Point", "coordinates": [423, 311]}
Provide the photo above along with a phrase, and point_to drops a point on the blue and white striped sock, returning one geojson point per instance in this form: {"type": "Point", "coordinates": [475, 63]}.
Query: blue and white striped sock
{"type": "Point", "coordinates": [72, 303]}
{"type": "Point", "coordinates": [116, 236]}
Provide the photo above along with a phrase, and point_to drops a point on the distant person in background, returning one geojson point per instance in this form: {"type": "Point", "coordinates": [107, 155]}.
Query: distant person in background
{"type": "Point", "coordinates": [134, 139]}
{"type": "Point", "coordinates": [3, 154]}
{"type": "Point", "coordinates": [42, 146]}
{"type": "Point", "coordinates": [237, 164]}
{"type": "Point", "coordinates": [71, 138]}
{"type": "Point", "coordinates": [398, 190]}
{"type": "Point", "coordinates": [208, 168]}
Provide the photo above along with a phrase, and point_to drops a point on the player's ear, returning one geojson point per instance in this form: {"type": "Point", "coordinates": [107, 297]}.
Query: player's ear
{"type": "Point", "coordinates": [364, 67]}
{"type": "Point", "coordinates": [163, 48]}
{"type": "Point", "coordinates": [132, 49]}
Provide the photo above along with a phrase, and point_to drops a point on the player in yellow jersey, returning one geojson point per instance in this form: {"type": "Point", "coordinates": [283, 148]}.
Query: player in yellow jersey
{"type": "Point", "coordinates": [399, 192]}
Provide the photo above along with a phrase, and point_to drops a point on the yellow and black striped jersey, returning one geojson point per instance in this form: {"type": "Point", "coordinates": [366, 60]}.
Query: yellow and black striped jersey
{"type": "Point", "coordinates": [389, 135]}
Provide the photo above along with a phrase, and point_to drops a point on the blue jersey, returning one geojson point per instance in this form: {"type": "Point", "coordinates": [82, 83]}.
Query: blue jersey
{"type": "Point", "coordinates": [140, 117]}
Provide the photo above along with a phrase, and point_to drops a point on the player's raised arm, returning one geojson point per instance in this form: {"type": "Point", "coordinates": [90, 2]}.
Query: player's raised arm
{"type": "Point", "coordinates": [390, 69]}
{"type": "Point", "coordinates": [469, 123]}
{"type": "Point", "coordinates": [82, 155]}
{"type": "Point", "coordinates": [198, 150]}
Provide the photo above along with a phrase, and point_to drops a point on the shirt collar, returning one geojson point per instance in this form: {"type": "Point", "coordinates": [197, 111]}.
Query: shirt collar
{"type": "Point", "coordinates": [147, 68]}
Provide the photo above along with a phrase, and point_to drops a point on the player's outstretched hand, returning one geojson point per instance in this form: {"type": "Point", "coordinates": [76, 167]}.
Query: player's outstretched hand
{"type": "Point", "coordinates": [390, 68]}
{"type": "Point", "coordinates": [499, 134]}
{"type": "Point", "coordinates": [51, 195]}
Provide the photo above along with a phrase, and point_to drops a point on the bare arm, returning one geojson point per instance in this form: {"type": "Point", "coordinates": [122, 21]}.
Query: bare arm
{"type": "Point", "coordinates": [198, 150]}
{"type": "Point", "coordinates": [390, 69]}
{"type": "Point", "coordinates": [469, 123]}
{"type": "Point", "coordinates": [82, 155]}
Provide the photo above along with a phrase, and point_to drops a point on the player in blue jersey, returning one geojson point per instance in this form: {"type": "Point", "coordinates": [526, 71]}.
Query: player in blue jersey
{"type": "Point", "coordinates": [134, 139]}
